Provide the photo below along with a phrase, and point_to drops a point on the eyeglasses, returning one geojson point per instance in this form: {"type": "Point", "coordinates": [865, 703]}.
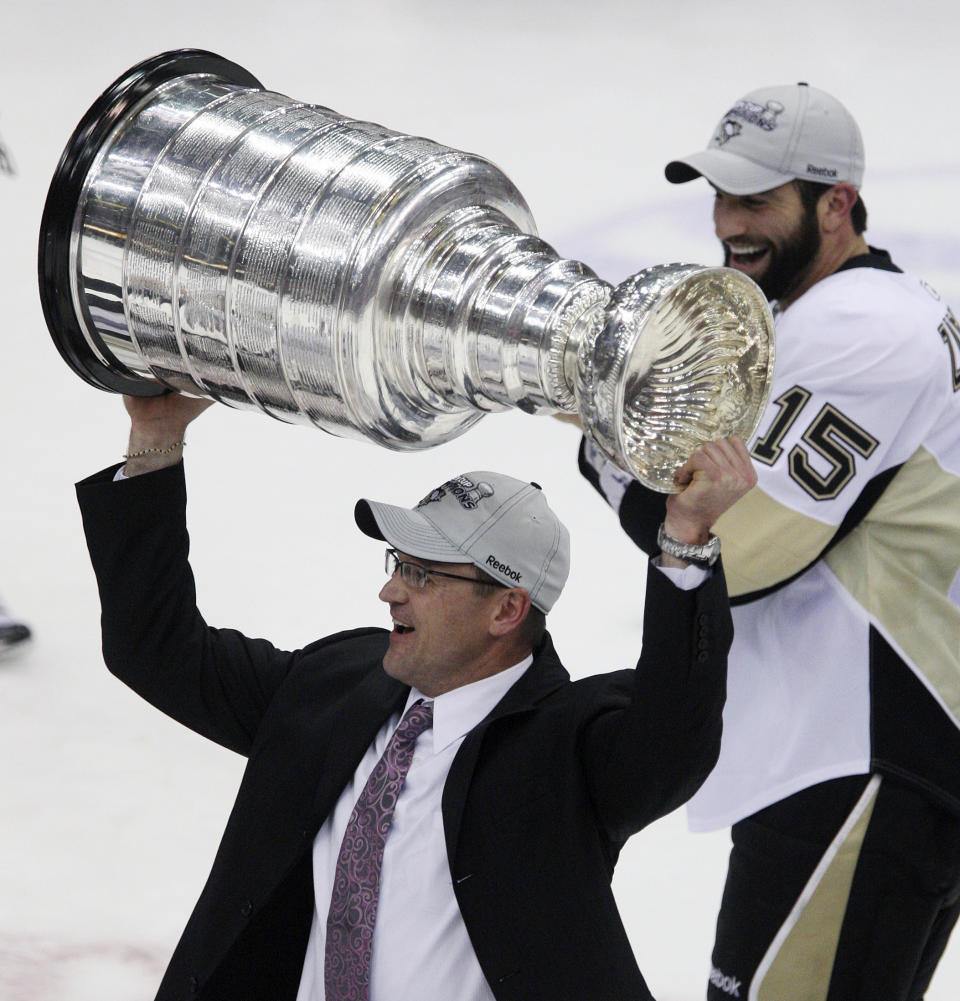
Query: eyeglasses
{"type": "Point", "coordinates": [416, 575]}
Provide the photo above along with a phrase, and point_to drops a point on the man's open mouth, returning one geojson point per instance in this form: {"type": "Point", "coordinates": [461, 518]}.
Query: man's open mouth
{"type": "Point", "coordinates": [743, 255]}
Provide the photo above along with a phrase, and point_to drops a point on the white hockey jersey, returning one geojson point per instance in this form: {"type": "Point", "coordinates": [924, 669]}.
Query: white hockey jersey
{"type": "Point", "coordinates": [844, 563]}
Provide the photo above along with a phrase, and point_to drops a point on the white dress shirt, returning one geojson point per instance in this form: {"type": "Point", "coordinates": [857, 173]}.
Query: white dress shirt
{"type": "Point", "coordinates": [420, 944]}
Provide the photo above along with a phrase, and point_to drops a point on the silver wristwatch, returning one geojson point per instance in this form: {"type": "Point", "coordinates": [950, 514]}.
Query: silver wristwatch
{"type": "Point", "coordinates": [701, 556]}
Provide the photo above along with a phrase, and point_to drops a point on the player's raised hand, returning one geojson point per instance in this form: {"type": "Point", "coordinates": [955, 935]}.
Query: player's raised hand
{"type": "Point", "coordinates": [158, 425]}
{"type": "Point", "coordinates": [168, 410]}
{"type": "Point", "coordinates": [713, 479]}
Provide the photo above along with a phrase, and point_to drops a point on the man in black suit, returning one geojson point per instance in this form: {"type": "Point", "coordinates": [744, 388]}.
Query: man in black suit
{"type": "Point", "coordinates": [507, 790]}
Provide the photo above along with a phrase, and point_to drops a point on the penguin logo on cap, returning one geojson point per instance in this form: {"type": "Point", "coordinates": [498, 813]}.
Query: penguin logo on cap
{"type": "Point", "coordinates": [432, 498]}
{"type": "Point", "coordinates": [729, 128]}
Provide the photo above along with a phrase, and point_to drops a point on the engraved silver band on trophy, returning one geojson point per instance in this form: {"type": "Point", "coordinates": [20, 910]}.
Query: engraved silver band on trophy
{"type": "Point", "coordinates": [204, 234]}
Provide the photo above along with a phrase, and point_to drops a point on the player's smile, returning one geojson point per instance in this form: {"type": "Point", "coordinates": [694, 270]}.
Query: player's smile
{"type": "Point", "coordinates": [747, 256]}
{"type": "Point", "coordinates": [770, 237]}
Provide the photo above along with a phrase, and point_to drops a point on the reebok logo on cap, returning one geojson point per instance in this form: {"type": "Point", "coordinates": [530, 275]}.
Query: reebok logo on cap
{"type": "Point", "coordinates": [504, 568]}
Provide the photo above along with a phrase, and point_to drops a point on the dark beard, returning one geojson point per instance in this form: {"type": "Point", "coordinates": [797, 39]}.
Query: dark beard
{"type": "Point", "coordinates": [789, 262]}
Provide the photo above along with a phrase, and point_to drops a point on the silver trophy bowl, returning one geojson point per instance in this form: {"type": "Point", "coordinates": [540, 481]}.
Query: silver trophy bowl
{"type": "Point", "coordinates": [205, 235]}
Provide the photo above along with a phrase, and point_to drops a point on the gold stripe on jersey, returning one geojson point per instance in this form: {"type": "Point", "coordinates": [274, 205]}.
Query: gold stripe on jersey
{"type": "Point", "coordinates": [765, 542]}
{"type": "Point", "coordinates": [803, 950]}
{"type": "Point", "coordinates": [899, 564]}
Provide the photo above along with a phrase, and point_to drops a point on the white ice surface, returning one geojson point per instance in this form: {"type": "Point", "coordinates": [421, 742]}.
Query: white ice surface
{"type": "Point", "coordinates": [110, 814]}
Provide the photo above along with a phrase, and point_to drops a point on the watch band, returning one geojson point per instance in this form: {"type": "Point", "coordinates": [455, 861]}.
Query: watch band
{"type": "Point", "coordinates": [704, 555]}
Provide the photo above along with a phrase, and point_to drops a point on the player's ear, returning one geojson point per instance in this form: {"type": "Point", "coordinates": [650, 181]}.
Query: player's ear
{"type": "Point", "coordinates": [511, 610]}
{"type": "Point", "coordinates": [835, 206]}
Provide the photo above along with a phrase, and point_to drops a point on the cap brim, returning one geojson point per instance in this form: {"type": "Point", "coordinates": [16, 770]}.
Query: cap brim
{"type": "Point", "coordinates": [408, 531]}
{"type": "Point", "coordinates": [730, 173]}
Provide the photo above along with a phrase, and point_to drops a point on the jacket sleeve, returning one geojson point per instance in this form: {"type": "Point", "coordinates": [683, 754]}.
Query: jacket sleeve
{"type": "Point", "coordinates": [215, 681]}
{"type": "Point", "coordinates": [656, 736]}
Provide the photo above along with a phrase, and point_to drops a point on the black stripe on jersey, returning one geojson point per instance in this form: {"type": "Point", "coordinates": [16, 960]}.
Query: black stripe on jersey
{"type": "Point", "coordinates": [877, 258]}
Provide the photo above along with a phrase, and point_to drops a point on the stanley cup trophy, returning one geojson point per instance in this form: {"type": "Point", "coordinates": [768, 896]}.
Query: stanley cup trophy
{"type": "Point", "coordinates": [206, 235]}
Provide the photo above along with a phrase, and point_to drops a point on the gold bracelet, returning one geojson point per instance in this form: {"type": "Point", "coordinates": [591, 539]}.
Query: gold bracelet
{"type": "Point", "coordinates": [156, 451]}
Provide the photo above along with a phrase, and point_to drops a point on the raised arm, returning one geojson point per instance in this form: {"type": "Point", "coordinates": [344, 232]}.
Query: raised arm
{"type": "Point", "coordinates": [216, 681]}
{"type": "Point", "coordinates": [658, 735]}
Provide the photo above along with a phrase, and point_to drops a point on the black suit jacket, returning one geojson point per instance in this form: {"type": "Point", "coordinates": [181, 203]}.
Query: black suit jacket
{"type": "Point", "coordinates": [540, 799]}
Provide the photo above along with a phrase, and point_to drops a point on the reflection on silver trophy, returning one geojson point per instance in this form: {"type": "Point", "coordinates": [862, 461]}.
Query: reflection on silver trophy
{"type": "Point", "coordinates": [206, 235]}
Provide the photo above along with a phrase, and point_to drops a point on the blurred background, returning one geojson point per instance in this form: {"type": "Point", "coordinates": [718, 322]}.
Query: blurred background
{"type": "Point", "coordinates": [109, 813]}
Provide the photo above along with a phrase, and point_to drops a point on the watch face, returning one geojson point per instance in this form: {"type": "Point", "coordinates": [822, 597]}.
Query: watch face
{"type": "Point", "coordinates": [712, 550]}
{"type": "Point", "coordinates": [709, 552]}
{"type": "Point", "coordinates": [703, 555]}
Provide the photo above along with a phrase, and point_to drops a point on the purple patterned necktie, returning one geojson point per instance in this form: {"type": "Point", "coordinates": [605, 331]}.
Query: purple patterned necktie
{"type": "Point", "coordinates": [356, 882]}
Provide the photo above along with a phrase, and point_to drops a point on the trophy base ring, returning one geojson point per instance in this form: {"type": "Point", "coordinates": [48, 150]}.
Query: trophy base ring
{"type": "Point", "coordinates": [53, 263]}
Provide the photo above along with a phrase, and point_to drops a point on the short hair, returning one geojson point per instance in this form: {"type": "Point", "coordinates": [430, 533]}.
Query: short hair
{"type": "Point", "coordinates": [812, 191]}
{"type": "Point", "coordinates": [533, 626]}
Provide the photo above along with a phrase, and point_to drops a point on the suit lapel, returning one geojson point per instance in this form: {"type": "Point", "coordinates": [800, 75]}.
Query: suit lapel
{"type": "Point", "coordinates": [545, 675]}
{"type": "Point", "coordinates": [357, 721]}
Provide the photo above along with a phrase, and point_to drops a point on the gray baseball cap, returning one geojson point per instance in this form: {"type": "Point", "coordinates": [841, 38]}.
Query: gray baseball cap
{"type": "Point", "coordinates": [774, 135]}
{"type": "Point", "coordinates": [501, 525]}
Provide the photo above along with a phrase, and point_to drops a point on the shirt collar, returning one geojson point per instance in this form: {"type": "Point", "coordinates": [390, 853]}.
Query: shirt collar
{"type": "Point", "coordinates": [457, 712]}
{"type": "Point", "coordinates": [876, 258]}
